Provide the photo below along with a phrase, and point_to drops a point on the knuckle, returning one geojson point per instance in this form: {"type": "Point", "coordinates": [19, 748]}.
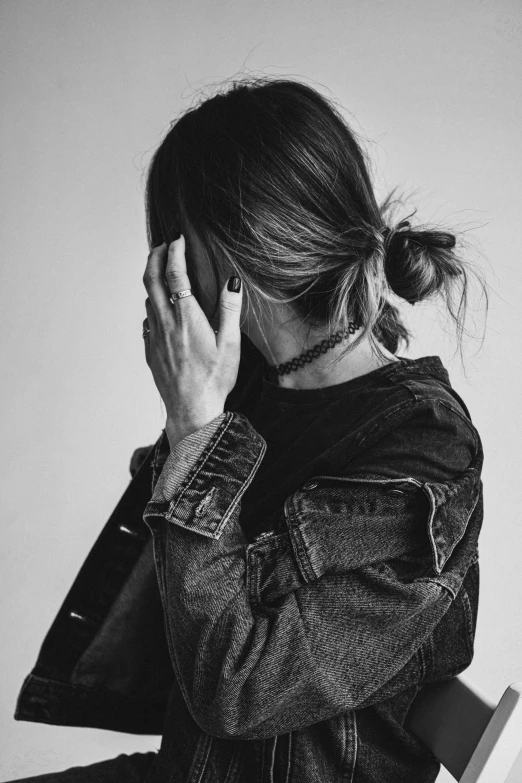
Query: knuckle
{"type": "Point", "coordinates": [232, 307]}
{"type": "Point", "coordinates": [173, 275]}
{"type": "Point", "coordinates": [154, 251]}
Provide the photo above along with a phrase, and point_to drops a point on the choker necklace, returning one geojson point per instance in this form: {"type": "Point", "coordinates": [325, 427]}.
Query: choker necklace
{"type": "Point", "coordinates": [294, 364]}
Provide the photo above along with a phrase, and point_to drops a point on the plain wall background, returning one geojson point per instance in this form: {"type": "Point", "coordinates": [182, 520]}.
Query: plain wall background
{"type": "Point", "coordinates": [88, 89]}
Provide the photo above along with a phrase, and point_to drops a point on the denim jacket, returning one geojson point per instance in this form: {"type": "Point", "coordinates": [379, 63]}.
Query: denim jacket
{"type": "Point", "coordinates": [294, 658]}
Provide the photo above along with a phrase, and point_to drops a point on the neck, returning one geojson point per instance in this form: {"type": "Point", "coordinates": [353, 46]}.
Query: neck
{"type": "Point", "coordinates": [279, 345]}
{"type": "Point", "coordinates": [360, 361]}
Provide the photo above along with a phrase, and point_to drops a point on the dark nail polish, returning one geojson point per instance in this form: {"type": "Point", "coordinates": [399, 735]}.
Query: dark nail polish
{"type": "Point", "coordinates": [234, 284]}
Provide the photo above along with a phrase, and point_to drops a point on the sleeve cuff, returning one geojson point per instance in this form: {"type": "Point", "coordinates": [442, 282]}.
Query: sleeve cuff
{"type": "Point", "coordinates": [204, 489]}
{"type": "Point", "coordinates": [182, 460]}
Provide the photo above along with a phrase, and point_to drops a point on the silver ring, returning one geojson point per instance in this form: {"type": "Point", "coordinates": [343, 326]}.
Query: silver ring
{"type": "Point", "coordinates": [180, 294]}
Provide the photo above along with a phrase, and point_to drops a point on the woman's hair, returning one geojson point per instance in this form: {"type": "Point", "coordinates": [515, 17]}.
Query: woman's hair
{"type": "Point", "coordinates": [278, 189]}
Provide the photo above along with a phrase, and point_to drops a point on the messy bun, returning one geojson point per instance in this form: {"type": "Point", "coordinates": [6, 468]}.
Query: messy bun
{"type": "Point", "coordinates": [417, 262]}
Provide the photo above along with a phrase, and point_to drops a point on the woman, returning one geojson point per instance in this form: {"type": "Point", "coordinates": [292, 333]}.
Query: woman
{"type": "Point", "coordinates": [308, 558]}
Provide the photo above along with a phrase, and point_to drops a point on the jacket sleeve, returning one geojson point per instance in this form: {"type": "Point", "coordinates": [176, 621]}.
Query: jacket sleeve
{"type": "Point", "coordinates": [138, 456]}
{"type": "Point", "coordinates": [318, 650]}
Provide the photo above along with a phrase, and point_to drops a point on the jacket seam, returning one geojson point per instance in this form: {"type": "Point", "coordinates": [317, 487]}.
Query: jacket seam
{"type": "Point", "coordinates": [289, 759]}
{"type": "Point", "coordinates": [465, 419]}
{"type": "Point", "coordinates": [353, 716]}
{"type": "Point", "coordinates": [403, 406]}
{"type": "Point", "coordinates": [203, 458]}
{"type": "Point", "coordinates": [466, 608]}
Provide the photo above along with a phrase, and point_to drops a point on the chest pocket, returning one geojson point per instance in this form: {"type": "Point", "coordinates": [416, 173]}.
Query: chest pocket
{"type": "Point", "coordinates": [334, 524]}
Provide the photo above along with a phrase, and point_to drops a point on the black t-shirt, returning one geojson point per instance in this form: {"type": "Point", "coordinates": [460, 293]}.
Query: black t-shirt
{"type": "Point", "coordinates": [315, 432]}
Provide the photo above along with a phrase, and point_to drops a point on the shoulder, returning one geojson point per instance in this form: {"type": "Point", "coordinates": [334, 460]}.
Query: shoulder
{"type": "Point", "coordinates": [428, 436]}
{"type": "Point", "coordinates": [425, 381]}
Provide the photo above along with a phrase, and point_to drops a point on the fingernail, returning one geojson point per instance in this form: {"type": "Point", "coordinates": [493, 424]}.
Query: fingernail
{"type": "Point", "coordinates": [234, 284]}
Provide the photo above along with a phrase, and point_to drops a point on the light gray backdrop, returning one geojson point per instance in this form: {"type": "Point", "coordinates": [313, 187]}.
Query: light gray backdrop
{"type": "Point", "coordinates": [87, 90]}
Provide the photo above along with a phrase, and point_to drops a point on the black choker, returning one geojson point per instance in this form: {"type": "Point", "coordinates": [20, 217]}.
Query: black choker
{"type": "Point", "coordinates": [294, 364]}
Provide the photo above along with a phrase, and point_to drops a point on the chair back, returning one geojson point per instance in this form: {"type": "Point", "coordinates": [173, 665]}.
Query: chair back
{"type": "Point", "coordinates": [474, 739]}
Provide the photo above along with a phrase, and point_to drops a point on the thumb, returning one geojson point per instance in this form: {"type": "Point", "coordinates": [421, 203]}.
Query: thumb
{"type": "Point", "coordinates": [230, 304]}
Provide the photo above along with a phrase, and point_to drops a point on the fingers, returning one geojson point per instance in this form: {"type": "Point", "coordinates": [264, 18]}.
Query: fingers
{"type": "Point", "coordinates": [178, 280]}
{"type": "Point", "coordinates": [146, 326]}
{"type": "Point", "coordinates": [174, 271]}
{"type": "Point", "coordinates": [230, 302]}
{"type": "Point", "coordinates": [156, 289]}
{"type": "Point", "coordinates": [151, 318]}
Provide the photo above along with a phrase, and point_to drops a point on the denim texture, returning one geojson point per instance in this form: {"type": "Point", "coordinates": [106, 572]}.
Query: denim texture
{"type": "Point", "coordinates": [295, 657]}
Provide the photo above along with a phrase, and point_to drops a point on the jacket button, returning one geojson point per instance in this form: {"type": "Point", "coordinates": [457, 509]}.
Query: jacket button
{"type": "Point", "coordinates": [82, 617]}
{"type": "Point", "coordinates": [125, 529]}
{"type": "Point", "coordinates": [310, 485]}
{"type": "Point", "coordinates": [134, 534]}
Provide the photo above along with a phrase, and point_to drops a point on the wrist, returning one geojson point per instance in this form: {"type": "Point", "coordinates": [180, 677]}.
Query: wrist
{"type": "Point", "coordinates": [175, 434]}
{"type": "Point", "coordinates": [176, 431]}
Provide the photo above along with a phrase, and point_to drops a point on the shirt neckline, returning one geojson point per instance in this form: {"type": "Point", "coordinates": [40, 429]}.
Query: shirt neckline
{"type": "Point", "coordinates": [307, 396]}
